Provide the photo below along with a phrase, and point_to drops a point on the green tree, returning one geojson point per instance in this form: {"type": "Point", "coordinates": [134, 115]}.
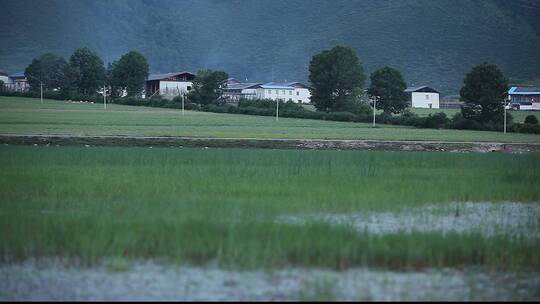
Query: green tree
{"type": "Point", "coordinates": [388, 86]}
{"type": "Point", "coordinates": [47, 69]}
{"type": "Point", "coordinates": [208, 87]}
{"type": "Point", "coordinates": [86, 71]}
{"type": "Point", "coordinates": [336, 77]}
{"type": "Point", "coordinates": [484, 91]}
{"type": "Point", "coordinates": [130, 73]}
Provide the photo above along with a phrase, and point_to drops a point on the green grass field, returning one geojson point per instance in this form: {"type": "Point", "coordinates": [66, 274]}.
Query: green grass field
{"type": "Point", "coordinates": [28, 116]}
{"type": "Point", "coordinates": [205, 205]}
{"type": "Point", "coordinates": [518, 116]}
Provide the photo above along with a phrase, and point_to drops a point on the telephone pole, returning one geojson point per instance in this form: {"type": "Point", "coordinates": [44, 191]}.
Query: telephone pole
{"type": "Point", "coordinates": [104, 98]}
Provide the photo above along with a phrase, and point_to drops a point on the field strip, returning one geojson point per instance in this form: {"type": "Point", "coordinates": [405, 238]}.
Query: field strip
{"type": "Point", "coordinates": [52, 279]}
{"type": "Point", "coordinates": [309, 144]}
{"type": "Point", "coordinates": [488, 219]}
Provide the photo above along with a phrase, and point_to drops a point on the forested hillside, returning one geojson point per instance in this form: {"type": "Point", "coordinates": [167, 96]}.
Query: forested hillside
{"type": "Point", "coordinates": [431, 42]}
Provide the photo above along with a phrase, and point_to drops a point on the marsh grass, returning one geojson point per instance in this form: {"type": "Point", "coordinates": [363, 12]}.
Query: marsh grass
{"type": "Point", "coordinates": [220, 205]}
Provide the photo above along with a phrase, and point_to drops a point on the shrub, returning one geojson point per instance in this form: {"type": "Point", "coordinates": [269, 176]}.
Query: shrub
{"type": "Point", "coordinates": [436, 121]}
{"type": "Point", "coordinates": [531, 119]}
{"type": "Point", "coordinates": [341, 116]}
{"type": "Point", "coordinates": [527, 128]}
{"type": "Point", "coordinates": [460, 122]}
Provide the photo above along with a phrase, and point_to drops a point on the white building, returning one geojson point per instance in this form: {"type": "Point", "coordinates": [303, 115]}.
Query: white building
{"type": "Point", "coordinates": [295, 91]}
{"type": "Point", "coordinates": [424, 97]}
{"type": "Point", "coordinates": [4, 77]}
{"type": "Point", "coordinates": [169, 85]}
{"type": "Point", "coordinates": [524, 98]}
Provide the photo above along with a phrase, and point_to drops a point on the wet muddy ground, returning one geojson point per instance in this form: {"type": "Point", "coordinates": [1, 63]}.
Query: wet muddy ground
{"type": "Point", "coordinates": [54, 280]}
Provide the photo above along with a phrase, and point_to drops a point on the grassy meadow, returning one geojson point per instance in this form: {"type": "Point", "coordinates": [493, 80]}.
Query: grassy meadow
{"type": "Point", "coordinates": [518, 116]}
{"type": "Point", "coordinates": [28, 116]}
{"type": "Point", "coordinates": [221, 205]}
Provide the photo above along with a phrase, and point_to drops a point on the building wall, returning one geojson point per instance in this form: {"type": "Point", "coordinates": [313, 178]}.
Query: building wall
{"type": "Point", "coordinates": [5, 79]}
{"type": "Point", "coordinates": [532, 101]}
{"type": "Point", "coordinates": [298, 95]}
{"type": "Point", "coordinates": [424, 100]}
{"type": "Point", "coordinates": [171, 89]}
{"type": "Point", "coordinates": [302, 95]}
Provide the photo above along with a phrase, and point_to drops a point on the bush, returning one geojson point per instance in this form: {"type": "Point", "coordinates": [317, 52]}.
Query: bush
{"type": "Point", "coordinates": [341, 116]}
{"type": "Point", "coordinates": [384, 118]}
{"type": "Point", "coordinates": [531, 119]}
{"type": "Point", "coordinates": [460, 122]}
{"type": "Point", "coordinates": [527, 128]}
{"type": "Point", "coordinates": [435, 121]}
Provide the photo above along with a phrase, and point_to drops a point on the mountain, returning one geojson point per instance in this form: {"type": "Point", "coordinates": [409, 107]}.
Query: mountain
{"type": "Point", "coordinates": [433, 43]}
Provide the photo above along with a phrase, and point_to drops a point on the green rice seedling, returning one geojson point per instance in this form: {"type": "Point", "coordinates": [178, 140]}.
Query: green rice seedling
{"type": "Point", "coordinates": [205, 205]}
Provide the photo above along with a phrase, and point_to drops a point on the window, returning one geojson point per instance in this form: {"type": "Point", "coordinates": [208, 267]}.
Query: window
{"type": "Point", "coordinates": [277, 92]}
{"type": "Point", "coordinates": [269, 91]}
{"type": "Point", "coordinates": [427, 96]}
{"type": "Point", "coordinates": [299, 101]}
{"type": "Point", "coordinates": [188, 88]}
{"type": "Point", "coordinates": [297, 93]}
{"type": "Point", "coordinates": [290, 92]}
{"type": "Point", "coordinates": [282, 91]}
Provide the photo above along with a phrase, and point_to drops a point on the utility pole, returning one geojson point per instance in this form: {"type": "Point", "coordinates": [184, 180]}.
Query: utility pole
{"type": "Point", "coordinates": [374, 108]}
{"type": "Point", "coordinates": [277, 109]}
{"type": "Point", "coordinates": [504, 103]}
{"type": "Point", "coordinates": [183, 97]}
{"type": "Point", "coordinates": [41, 91]}
{"type": "Point", "coordinates": [104, 98]}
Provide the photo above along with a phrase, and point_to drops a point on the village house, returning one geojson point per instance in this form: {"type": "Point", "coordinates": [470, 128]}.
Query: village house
{"type": "Point", "coordinates": [4, 77]}
{"type": "Point", "coordinates": [237, 90]}
{"type": "Point", "coordinates": [169, 85]}
{"type": "Point", "coordinates": [294, 91]}
{"type": "Point", "coordinates": [524, 98]}
{"type": "Point", "coordinates": [16, 82]}
{"type": "Point", "coordinates": [424, 97]}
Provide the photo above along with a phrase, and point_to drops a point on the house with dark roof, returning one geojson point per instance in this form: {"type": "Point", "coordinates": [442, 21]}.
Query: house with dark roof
{"type": "Point", "coordinates": [284, 91]}
{"type": "Point", "coordinates": [169, 85]}
{"type": "Point", "coordinates": [237, 90]}
{"type": "Point", "coordinates": [524, 98]}
{"type": "Point", "coordinates": [424, 97]}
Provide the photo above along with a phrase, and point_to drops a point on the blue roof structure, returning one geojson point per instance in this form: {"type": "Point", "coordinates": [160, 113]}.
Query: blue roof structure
{"type": "Point", "coordinates": [284, 85]}
{"type": "Point", "coordinates": [17, 75]}
{"type": "Point", "coordinates": [524, 91]}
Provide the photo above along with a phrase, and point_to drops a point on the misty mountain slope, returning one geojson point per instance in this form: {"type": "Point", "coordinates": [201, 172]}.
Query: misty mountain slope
{"type": "Point", "coordinates": [431, 42]}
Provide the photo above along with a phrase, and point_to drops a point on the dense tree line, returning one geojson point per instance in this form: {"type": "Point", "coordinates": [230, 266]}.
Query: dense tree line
{"type": "Point", "coordinates": [85, 74]}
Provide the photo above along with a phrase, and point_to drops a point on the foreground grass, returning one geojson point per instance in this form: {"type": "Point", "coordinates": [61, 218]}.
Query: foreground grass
{"type": "Point", "coordinates": [201, 205]}
{"type": "Point", "coordinates": [28, 116]}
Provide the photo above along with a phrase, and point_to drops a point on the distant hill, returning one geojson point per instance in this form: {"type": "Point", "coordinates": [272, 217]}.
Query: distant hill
{"type": "Point", "coordinates": [431, 42]}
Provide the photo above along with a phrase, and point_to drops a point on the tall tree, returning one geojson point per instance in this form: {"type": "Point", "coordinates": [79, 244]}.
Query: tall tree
{"type": "Point", "coordinates": [130, 73]}
{"type": "Point", "coordinates": [208, 87]}
{"type": "Point", "coordinates": [87, 71]}
{"type": "Point", "coordinates": [483, 92]}
{"type": "Point", "coordinates": [388, 86]}
{"type": "Point", "coordinates": [336, 77]}
{"type": "Point", "coordinates": [47, 69]}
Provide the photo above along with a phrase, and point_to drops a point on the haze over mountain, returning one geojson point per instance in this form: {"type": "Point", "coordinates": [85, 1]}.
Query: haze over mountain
{"type": "Point", "coordinates": [432, 42]}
